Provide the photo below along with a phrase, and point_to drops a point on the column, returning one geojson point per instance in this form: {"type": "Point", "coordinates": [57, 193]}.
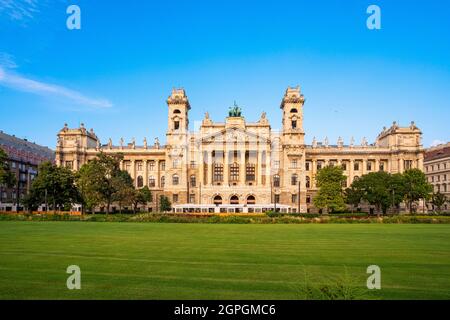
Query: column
{"type": "Point", "coordinates": [133, 171]}
{"type": "Point", "coordinates": [314, 172]}
{"type": "Point", "coordinates": [377, 165]}
{"type": "Point", "coordinates": [242, 167]}
{"type": "Point", "coordinates": [400, 165]}
{"type": "Point", "coordinates": [145, 172]}
{"type": "Point", "coordinates": [121, 165]}
{"type": "Point", "coordinates": [201, 167]}
{"type": "Point", "coordinates": [158, 174]}
{"type": "Point", "coordinates": [364, 166]}
{"type": "Point", "coordinates": [352, 166]}
{"type": "Point", "coordinates": [268, 167]}
{"type": "Point", "coordinates": [259, 166]}
{"type": "Point", "coordinates": [209, 164]}
{"type": "Point", "coordinates": [226, 166]}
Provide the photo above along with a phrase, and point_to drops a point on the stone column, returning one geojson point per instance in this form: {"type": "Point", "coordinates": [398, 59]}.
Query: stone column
{"type": "Point", "coordinates": [242, 166]}
{"type": "Point", "coordinates": [350, 172]}
{"type": "Point", "coordinates": [268, 166]}
{"type": "Point", "coordinates": [133, 171]}
{"type": "Point", "coordinates": [226, 166]}
{"type": "Point", "coordinates": [259, 166]}
{"type": "Point", "coordinates": [377, 165]}
{"type": "Point", "coordinates": [209, 164]}
{"type": "Point", "coordinates": [201, 167]}
{"type": "Point", "coordinates": [158, 174]}
{"type": "Point", "coordinates": [314, 172]}
{"type": "Point", "coordinates": [364, 166]}
{"type": "Point", "coordinates": [145, 164]}
{"type": "Point", "coordinates": [400, 165]}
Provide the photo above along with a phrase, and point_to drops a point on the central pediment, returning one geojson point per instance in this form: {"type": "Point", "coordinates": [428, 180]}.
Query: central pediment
{"type": "Point", "coordinates": [234, 134]}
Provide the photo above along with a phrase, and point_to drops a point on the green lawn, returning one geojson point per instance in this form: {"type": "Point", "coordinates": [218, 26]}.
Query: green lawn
{"type": "Point", "coordinates": [220, 261]}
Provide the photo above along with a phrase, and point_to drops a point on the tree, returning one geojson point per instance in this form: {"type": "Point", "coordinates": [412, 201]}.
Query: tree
{"type": "Point", "coordinates": [55, 185]}
{"type": "Point", "coordinates": [438, 200]}
{"type": "Point", "coordinates": [164, 204]}
{"type": "Point", "coordinates": [329, 181]}
{"type": "Point", "coordinates": [374, 188]}
{"type": "Point", "coordinates": [124, 189]}
{"type": "Point", "coordinates": [98, 180]}
{"type": "Point", "coordinates": [7, 177]}
{"type": "Point", "coordinates": [353, 197]}
{"type": "Point", "coordinates": [141, 196]}
{"type": "Point", "coordinates": [415, 186]}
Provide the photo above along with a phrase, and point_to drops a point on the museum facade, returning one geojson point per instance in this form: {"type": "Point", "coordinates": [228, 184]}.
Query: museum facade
{"type": "Point", "coordinates": [240, 166]}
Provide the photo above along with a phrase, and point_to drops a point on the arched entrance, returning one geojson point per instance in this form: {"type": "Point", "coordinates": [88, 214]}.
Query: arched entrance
{"type": "Point", "coordinates": [217, 200]}
{"type": "Point", "coordinates": [234, 200]}
{"type": "Point", "coordinates": [251, 200]}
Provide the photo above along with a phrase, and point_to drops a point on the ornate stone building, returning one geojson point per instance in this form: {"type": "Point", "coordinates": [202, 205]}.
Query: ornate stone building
{"type": "Point", "coordinates": [237, 165]}
{"type": "Point", "coordinates": [437, 170]}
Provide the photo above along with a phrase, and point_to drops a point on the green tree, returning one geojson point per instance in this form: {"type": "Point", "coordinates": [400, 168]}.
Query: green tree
{"type": "Point", "coordinates": [438, 200]}
{"type": "Point", "coordinates": [415, 186]}
{"type": "Point", "coordinates": [330, 196]}
{"type": "Point", "coordinates": [164, 204]}
{"type": "Point", "coordinates": [374, 188]}
{"type": "Point", "coordinates": [7, 177]}
{"type": "Point", "coordinates": [125, 192]}
{"type": "Point", "coordinates": [353, 197]}
{"type": "Point", "coordinates": [99, 180]}
{"type": "Point", "coordinates": [54, 185]}
{"type": "Point", "coordinates": [141, 196]}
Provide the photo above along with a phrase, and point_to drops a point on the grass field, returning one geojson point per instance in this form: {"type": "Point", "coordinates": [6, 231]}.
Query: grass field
{"type": "Point", "coordinates": [220, 261]}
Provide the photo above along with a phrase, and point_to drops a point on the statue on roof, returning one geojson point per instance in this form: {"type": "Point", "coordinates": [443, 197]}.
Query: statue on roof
{"type": "Point", "coordinates": [145, 142]}
{"type": "Point", "coordinates": [235, 111]}
{"type": "Point", "coordinates": [110, 143]}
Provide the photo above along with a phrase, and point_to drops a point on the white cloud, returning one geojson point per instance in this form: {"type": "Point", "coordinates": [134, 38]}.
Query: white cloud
{"type": "Point", "coordinates": [436, 142]}
{"type": "Point", "coordinates": [7, 60]}
{"type": "Point", "coordinates": [18, 82]}
{"type": "Point", "coordinates": [19, 10]}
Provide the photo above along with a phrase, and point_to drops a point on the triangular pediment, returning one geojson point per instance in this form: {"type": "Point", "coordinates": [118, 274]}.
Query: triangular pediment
{"type": "Point", "coordinates": [233, 135]}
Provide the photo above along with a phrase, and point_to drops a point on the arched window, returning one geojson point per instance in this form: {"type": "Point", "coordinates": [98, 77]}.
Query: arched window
{"type": "Point", "coordinates": [294, 110]}
{"type": "Point", "coordinates": [175, 180]}
{"type": "Point", "coordinates": [140, 182]}
{"type": "Point", "coordinates": [217, 200]}
{"type": "Point", "coordinates": [308, 182]}
{"type": "Point", "coordinates": [294, 179]}
{"type": "Point", "coordinates": [251, 199]}
{"type": "Point", "coordinates": [234, 172]}
{"type": "Point", "coordinates": [276, 181]}
{"type": "Point", "coordinates": [176, 111]}
{"type": "Point", "coordinates": [163, 181]}
{"type": "Point", "coordinates": [151, 182]}
{"type": "Point", "coordinates": [234, 200]}
{"type": "Point", "coordinates": [193, 181]}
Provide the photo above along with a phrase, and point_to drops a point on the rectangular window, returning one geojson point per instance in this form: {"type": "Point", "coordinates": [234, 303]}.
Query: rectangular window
{"type": "Point", "coordinates": [139, 165]}
{"type": "Point", "coordinates": [356, 166]}
{"type": "Point", "coordinates": [319, 165]}
{"type": "Point", "coordinates": [234, 172]}
{"type": "Point", "coordinates": [175, 163]}
{"type": "Point", "coordinates": [250, 172]}
{"type": "Point", "coordinates": [294, 124]}
{"type": "Point", "coordinates": [408, 164]}
{"type": "Point", "coordinates": [381, 166]}
{"type": "Point", "coordinates": [192, 164]}
{"type": "Point", "coordinates": [175, 198]}
{"type": "Point", "coordinates": [151, 166]}
{"type": "Point", "coordinates": [294, 163]}
{"type": "Point", "coordinates": [192, 198]}
{"type": "Point", "coordinates": [176, 125]}
{"type": "Point", "coordinates": [307, 166]}
{"type": "Point", "coordinates": [218, 172]}
{"type": "Point", "coordinates": [369, 166]}
{"type": "Point", "coordinates": [163, 165]}
{"type": "Point", "coordinates": [294, 198]}
{"type": "Point", "coordinates": [344, 166]}
{"type": "Point", "coordinates": [69, 164]}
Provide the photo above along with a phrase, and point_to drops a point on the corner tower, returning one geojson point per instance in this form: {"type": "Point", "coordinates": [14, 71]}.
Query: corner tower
{"type": "Point", "coordinates": [292, 106]}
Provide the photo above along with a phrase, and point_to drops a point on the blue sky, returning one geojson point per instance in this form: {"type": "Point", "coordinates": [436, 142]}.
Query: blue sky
{"type": "Point", "coordinates": [117, 71]}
